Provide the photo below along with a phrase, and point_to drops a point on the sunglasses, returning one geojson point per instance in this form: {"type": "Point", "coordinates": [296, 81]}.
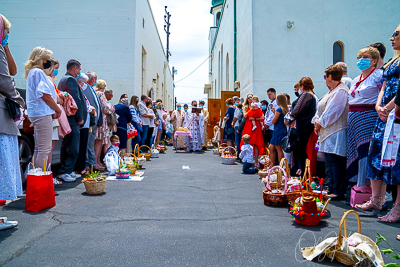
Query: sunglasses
{"type": "Point", "coordinates": [396, 33]}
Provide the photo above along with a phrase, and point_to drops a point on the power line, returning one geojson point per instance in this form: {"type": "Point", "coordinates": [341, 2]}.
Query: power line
{"type": "Point", "coordinates": [194, 70]}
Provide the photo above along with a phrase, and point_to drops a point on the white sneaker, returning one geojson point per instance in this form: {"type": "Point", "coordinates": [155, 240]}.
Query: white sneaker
{"type": "Point", "coordinates": [254, 127]}
{"type": "Point", "coordinates": [66, 178]}
{"type": "Point", "coordinates": [74, 175]}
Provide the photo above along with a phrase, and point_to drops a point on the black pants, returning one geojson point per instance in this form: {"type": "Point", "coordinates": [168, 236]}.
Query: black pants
{"type": "Point", "coordinates": [81, 162]}
{"type": "Point", "coordinates": [70, 150]}
{"type": "Point", "coordinates": [335, 169]}
{"type": "Point", "coordinates": [149, 138]}
{"type": "Point", "coordinates": [300, 153]}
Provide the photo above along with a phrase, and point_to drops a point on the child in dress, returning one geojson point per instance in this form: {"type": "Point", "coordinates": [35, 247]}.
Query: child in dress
{"type": "Point", "coordinates": [255, 112]}
{"type": "Point", "coordinates": [280, 130]}
{"type": "Point", "coordinates": [114, 144]}
{"type": "Point", "coordinates": [246, 155]}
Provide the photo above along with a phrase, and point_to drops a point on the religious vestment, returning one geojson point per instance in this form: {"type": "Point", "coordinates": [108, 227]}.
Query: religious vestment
{"type": "Point", "coordinates": [195, 125]}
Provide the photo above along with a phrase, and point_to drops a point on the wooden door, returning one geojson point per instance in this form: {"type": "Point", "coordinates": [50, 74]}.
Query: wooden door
{"type": "Point", "coordinates": [214, 109]}
{"type": "Point", "coordinates": [224, 96]}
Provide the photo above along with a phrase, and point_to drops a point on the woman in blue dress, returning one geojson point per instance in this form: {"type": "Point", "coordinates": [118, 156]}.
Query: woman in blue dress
{"type": "Point", "coordinates": [381, 176]}
{"type": "Point", "coordinates": [229, 131]}
{"type": "Point", "coordinates": [280, 130]}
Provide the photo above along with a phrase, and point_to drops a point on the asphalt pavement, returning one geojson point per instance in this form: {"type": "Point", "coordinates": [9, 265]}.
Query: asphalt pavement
{"type": "Point", "coordinates": [210, 215]}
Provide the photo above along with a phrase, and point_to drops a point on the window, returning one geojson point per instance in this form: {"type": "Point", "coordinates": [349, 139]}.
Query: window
{"type": "Point", "coordinates": [338, 52]}
{"type": "Point", "coordinates": [219, 72]}
{"type": "Point", "coordinates": [143, 23]}
{"type": "Point", "coordinates": [143, 70]}
{"type": "Point", "coordinates": [227, 72]}
{"type": "Point", "coordinates": [218, 18]}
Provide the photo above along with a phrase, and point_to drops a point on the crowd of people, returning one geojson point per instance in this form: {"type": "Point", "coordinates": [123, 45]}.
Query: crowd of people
{"type": "Point", "coordinates": [353, 126]}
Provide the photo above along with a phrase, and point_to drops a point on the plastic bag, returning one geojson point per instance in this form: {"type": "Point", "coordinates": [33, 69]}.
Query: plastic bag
{"type": "Point", "coordinates": [111, 160]}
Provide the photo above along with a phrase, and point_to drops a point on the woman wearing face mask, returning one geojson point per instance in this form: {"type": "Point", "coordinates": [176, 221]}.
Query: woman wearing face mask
{"type": "Point", "coordinates": [379, 175]}
{"type": "Point", "coordinates": [125, 117]}
{"type": "Point", "coordinates": [330, 123]}
{"type": "Point", "coordinates": [41, 102]}
{"type": "Point", "coordinates": [84, 129]}
{"type": "Point", "coordinates": [363, 93]}
{"type": "Point", "coordinates": [229, 130]}
{"type": "Point", "coordinates": [136, 120]}
{"type": "Point", "coordinates": [10, 174]}
{"type": "Point", "coordinates": [303, 112]}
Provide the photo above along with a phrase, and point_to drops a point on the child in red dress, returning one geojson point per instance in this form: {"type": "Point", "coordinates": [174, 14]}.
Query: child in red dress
{"type": "Point", "coordinates": [255, 112]}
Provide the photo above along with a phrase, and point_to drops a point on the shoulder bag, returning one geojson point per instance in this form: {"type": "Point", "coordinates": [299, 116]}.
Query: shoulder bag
{"type": "Point", "coordinates": [14, 109]}
{"type": "Point", "coordinates": [112, 119]}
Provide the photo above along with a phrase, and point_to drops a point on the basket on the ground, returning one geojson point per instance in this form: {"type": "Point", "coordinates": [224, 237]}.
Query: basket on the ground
{"type": "Point", "coordinates": [154, 153]}
{"type": "Point", "coordinates": [129, 160]}
{"type": "Point", "coordinates": [278, 183]}
{"type": "Point", "coordinates": [230, 157]}
{"type": "Point", "coordinates": [94, 187]}
{"type": "Point", "coordinates": [141, 160]}
{"type": "Point", "coordinates": [275, 197]}
{"type": "Point", "coordinates": [144, 154]}
{"type": "Point", "coordinates": [294, 194]}
{"type": "Point", "coordinates": [122, 175]}
{"type": "Point", "coordinates": [264, 161]}
{"type": "Point", "coordinates": [310, 219]}
{"type": "Point", "coordinates": [221, 147]}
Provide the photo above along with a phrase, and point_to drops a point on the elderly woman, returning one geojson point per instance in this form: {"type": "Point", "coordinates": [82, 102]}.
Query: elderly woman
{"type": "Point", "coordinates": [84, 129]}
{"type": "Point", "coordinates": [229, 130]}
{"type": "Point", "coordinates": [10, 175]}
{"type": "Point", "coordinates": [363, 93]}
{"type": "Point", "coordinates": [330, 123]}
{"type": "Point", "coordinates": [125, 117]}
{"type": "Point", "coordinates": [103, 132]}
{"type": "Point", "coordinates": [303, 112]}
{"type": "Point", "coordinates": [379, 175]}
{"type": "Point", "coordinates": [256, 136]}
{"type": "Point", "coordinates": [41, 101]}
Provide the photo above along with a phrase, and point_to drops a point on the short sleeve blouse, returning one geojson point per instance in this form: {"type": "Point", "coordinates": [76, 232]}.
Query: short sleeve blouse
{"type": "Point", "coordinates": [367, 92]}
{"type": "Point", "coordinates": [38, 84]}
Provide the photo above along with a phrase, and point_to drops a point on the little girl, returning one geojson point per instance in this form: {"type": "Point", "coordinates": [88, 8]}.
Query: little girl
{"type": "Point", "coordinates": [280, 130]}
{"type": "Point", "coordinates": [255, 112]}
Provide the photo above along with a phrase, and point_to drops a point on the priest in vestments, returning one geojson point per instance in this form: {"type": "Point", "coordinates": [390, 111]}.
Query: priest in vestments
{"type": "Point", "coordinates": [194, 121]}
{"type": "Point", "coordinates": [206, 115]}
{"type": "Point", "coordinates": [178, 117]}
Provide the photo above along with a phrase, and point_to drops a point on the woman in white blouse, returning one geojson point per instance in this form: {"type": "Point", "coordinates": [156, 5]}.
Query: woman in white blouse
{"type": "Point", "coordinates": [330, 123]}
{"type": "Point", "coordinates": [41, 102]}
{"type": "Point", "coordinates": [362, 118]}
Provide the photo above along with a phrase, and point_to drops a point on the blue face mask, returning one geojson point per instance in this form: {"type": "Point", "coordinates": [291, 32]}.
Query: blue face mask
{"type": "Point", "coordinates": [155, 106]}
{"type": "Point", "coordinates": [264, 107]}
{"type": "Point", "coordinates": [236, 104]}
{"type": "Point", "coordinates": [5, 40]}
{"type": "Point", "coordinates": [227, 105]}
{"type": "Point", "coordinates": [79, 75]}
{"type": "Point", "coordinates": [179, 108]}
{"type": "Point", "coordinates": [186, 110]}
{"type": "Point", "coordinates": [200, 106]}
{"type": "Point", "coordinates": [54, 73]}
{"type": "Point", "coordinates": [364, 63]}
{"type": "Point", "coordinates": [95, 84]}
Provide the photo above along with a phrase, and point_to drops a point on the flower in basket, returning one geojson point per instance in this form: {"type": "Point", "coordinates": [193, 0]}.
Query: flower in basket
{"type": "Point", "coordinates": [94, 176]}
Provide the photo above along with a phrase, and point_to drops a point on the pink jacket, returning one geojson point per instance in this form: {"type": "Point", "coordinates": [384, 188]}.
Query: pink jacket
{"type": "Point", "coordinates": [64, 127]}
{"type": "Point", "coordinates": [69, 105]}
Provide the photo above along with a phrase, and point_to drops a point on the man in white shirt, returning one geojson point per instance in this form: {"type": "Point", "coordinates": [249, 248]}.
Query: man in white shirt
{"type": "Point", "coordinates": [269, 115]}
{"type": "Point", "coordinates": [145, 116]}
{"type": "Point", "coordinates": [345, 79]}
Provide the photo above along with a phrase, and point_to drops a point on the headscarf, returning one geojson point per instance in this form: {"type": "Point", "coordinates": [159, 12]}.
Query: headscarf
{"type": "Point", "coordinates": [124, 101]}
{"type": "Point", "coordinates": [1, 29]}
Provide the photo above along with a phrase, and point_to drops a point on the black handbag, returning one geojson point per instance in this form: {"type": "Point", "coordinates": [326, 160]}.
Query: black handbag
{"type": "Point", "coordinates": [287, 147]}
{"type": "Point", "coordinates": [230, 131]}
{"type": "Point", "coordinates": [92, 120]}
{"type": "Point", "coordinates": [13, 107]}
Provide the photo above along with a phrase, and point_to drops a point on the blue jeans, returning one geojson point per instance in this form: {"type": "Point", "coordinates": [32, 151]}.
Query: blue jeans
{"type": "Point", "coordinates": [335, 169]}
{"type": "Point", "coordinates": [143, 135]}
{"type": "Point", "coordinates": [248, 168]}
{"type": "Point", "coordinates": [238, 138]}
{"type": "Point", "coordinates": [135, 141]}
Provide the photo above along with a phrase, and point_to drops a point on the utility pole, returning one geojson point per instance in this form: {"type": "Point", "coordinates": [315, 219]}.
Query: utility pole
{"type": "Point", "coordinates": [174, 71]}
{"type": "Point", "coordinates": [167, 16]}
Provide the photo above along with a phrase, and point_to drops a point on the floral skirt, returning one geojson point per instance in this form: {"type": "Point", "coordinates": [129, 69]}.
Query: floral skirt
{"type": "Point", "coordinates": [10, 174]}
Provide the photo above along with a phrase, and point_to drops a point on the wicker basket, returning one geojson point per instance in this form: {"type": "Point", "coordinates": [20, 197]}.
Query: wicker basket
{"type": "Point", "coordinates": [147, 155]}
{"type": "Point", "coordinates": [265, 159]}
{"type": "Point", "coordinates": [221, 147]}
{"type": "Point", "coordinates": [215, 151]}
{"type": "Point", "coordinates": [225, 157]}
{"type": "Point", "coordinates": [128, 159]}
{"type": "Point", "coordinates": [341, 256]}
{"type": "Point", "coordinates": [122, 175]}
{"type": "Point", "coordinates": [270, 197]}
{"type": "Point", "coordinates": [94, 187]}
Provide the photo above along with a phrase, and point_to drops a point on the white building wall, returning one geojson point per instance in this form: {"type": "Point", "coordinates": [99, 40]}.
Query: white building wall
{"type": "Point", "coordinates": [282, 55]}
{"type": "Point", "coordinates": [101, 35]}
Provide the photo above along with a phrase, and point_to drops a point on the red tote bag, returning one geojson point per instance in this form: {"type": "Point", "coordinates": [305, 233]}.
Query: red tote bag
{"type": "Point", "coordinates": [39, 192]}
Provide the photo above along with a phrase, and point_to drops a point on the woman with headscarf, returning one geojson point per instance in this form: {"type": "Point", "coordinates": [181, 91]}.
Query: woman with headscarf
{"type": "Point", "coordinates": [10, 174]}
{"type": "Point", "coordinates": [125, 117]}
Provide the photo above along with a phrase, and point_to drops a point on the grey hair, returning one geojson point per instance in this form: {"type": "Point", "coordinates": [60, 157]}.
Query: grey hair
{"type": "Point", "coordinates": [108, 91]}
{"type": "Point", "coordinates": [91, 74]}
{"type": "Point", "coordinates": [84, 78]}
{"type": "Point", "coordinates": [343, 65]}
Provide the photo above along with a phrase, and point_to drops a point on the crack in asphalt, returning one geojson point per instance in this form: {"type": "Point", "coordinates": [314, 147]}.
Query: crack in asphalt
{"type": "Point", "coordinates": [211, 190]}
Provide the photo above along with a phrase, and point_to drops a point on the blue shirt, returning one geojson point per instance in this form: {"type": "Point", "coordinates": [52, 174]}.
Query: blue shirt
{"type": "Point", "coordinates": [124, 116]}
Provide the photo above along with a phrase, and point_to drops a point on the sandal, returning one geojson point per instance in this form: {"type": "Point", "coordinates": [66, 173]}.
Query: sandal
{"type": "Point", "coordinates": [298, 172]}
{"type": "Point", "coordinates": [56, 182]}
{"type": "Point", "coordinates": [85, 172]}
{"type": "Point", "coordinates": [370, 206]}
{"type": "Point", "coordinates": [5, 224]}
{"type": "Point", "coordinates": [386, 217]}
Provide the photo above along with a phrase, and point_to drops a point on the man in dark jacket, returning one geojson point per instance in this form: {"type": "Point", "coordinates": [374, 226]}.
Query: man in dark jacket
{"type": "Point", "coordinates": [94, 102]}
{"type": "Point", "coordinates": [70, 144]}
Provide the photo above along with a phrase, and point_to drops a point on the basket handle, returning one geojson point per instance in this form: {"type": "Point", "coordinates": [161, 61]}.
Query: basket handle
{"type": "Point", "coordinates": [267, 150]}
{"type": "Point", "coordinates": [145, 146]}
{"type": "Point", "coordinates": [223, 151]}
{"type": "Point", "coordinates": [284, 177]}
{"type": "Point", "coordinates": [222, 145]}
{"type": "Point", "coordinates": [129, 154]}
{"type": "Point", "coordinates": [136, 148]}
{"type": "Point", "coordinates": [307, 173]}
{"type": "Point", "coordinates": [344, 223]}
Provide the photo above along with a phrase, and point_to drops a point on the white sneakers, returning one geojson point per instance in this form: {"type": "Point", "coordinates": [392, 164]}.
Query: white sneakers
{"type": "Point", "coordinates": [254, 127]}
{"type": "Point", "coordinates": [74, 175]}
{"type": "Point", "coordinates": [66, 178]}
{"type": "Point", "coordinates": [5, 224]}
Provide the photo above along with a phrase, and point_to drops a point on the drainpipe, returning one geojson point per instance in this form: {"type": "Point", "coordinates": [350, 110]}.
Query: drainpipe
{"type": "Point", "coordinates": [234, 45]}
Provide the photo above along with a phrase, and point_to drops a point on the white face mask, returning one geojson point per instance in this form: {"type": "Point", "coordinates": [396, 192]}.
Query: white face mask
{"type": "Point", "coordinates": [84, 87]}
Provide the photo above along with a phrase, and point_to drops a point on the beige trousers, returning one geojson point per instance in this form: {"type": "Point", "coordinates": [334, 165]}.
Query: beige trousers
{"type": "Point", "coordinates": [43, 131]}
